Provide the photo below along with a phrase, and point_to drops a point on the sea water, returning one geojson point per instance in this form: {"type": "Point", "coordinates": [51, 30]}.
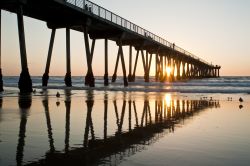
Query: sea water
{"type": "Point", "coordinates": [195, 122]}
{"type": "Point", "coordinates": [209, 85]}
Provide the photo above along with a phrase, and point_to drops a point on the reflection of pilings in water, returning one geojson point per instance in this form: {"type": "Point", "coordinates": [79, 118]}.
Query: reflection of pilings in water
{"type": "Point", "coordinates": [146, 114]}
{"type": "Point", "coordinates": [21, 140]}
{"type": "Point", "coordinates": [24, 105]}
{"type": "Point", "coordinates": [116, 147]}
{"type": "Point", "coordinates": [105, 115]}
{"type": "Point", "coordinates": [180, 108]}
{"type": "Point", "coordinates": [1, 105]}
{"type": "Point", "coordinates": [158, 111]}
{"type": "Point", "coordinates": [67, 125]}
{"type": "Point", "coordinates": [122, 116]}
{"type": "Point", "coordinates": [129, 114]}
{"type": "Point", "coordinates": [89, 123]}
{"type": "Point", "coordinates": [116, 113]}
{"type": "Point", "coordinates": [136, 117]}
{"type": "Point", "coordinates": [67, 118]}
{"type": "Point", "coordinates": [149, 113]}
{"type": "Point", "coordinates": [49, 127]}
{"type": "Point", "coordinates": [1, 102]}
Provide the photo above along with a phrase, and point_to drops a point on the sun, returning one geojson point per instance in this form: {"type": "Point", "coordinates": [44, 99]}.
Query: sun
{"type": "Point", "coordinates": [168, 70]}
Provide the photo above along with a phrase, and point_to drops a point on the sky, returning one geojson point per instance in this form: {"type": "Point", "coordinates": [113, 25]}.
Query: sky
{"type": "Point", "coordinates": [217, 31]}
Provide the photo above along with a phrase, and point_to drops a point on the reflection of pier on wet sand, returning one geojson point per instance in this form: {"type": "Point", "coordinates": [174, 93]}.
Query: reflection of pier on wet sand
{"type": "Point", "coordinates": [150, 124]}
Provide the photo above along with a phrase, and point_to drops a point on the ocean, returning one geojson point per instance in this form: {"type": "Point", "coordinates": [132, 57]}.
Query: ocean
{"type": "Point", "coordinates": [194, 122]}
{"type": "Point", "coordinates": [223, 85]}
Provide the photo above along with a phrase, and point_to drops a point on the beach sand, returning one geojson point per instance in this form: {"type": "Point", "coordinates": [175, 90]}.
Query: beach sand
{"type": "Point", "coordinates": [132, 128]}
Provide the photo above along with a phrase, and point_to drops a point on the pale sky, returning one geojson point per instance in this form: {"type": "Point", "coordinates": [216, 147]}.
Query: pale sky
{"type": "Point", "coordinates": [216, 30]}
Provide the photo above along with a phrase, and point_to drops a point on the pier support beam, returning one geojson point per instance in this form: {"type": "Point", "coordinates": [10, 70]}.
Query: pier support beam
{"type": "Point", "coordinates": [89, 79]}
{"type": "Point", "coordinates": [165, 68]}
{"type": "Point", "coordinates": [116, 66]}
{"type": "Point", "coordinates": [156, 67]}
{"type": "Point", "coordinates": [169, 66]}
{"type": "Point", "coordinates": [146, 75]}
{"type": "Point", "coordinates": [144, 65]}
{"type": "Point", "coordinates": [120, 55]}
{"type": "Point", "coordinates": [89, 75]}
{"type": "Point", "coordinates": [161, 69]}
{"type": "Point", "coordinates": [125, 81]}
{"type": "Point", "coordinates": [188, 70]}
{"type": "Point", "coordinates": [178, 69]}
{"type": "Point", "coordinates": [218, 73]}
{"type": "Point", "coordinates": [106, 77]}
{"type": "Point", "coordinates": [183, 70]}
{"type": "Point", "coordinates": [135, 65]}
{"type": "Point", "coordinates": [1, 76]}
{"type": "Point", "coordinates": [149, 65]}
{"type": "Point", "coordinates": [25, 83]}
{"type": "Point", "coordinates": [46, 73]}
{"type": "Point", "coordinates": [67, 78]}
{"type": "Point", "coordinates": [130, 77]}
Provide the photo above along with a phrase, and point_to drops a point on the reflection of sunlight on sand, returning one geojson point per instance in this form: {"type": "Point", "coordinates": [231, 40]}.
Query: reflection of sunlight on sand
{"type": "Point", "coordinates": [168, 99]}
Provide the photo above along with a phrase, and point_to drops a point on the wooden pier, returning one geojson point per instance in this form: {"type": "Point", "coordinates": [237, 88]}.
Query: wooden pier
{"type": "Point", "coordinates": [98, 23]}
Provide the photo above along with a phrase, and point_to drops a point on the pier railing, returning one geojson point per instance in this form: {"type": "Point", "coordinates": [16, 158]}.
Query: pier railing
{"type": "Point", "coordinates": [118, 20]}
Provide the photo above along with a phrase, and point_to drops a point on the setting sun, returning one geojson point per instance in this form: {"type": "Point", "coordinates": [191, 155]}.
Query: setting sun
{"type": "Point", "coordinates": [168, 70]}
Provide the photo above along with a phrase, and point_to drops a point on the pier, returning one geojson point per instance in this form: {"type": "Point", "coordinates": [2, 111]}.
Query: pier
{"type": "Point", "coordinates": [172, 63]}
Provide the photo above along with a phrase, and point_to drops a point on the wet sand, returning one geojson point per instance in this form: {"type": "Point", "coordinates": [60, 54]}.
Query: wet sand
{"type": "Point", "coordinates": [127, 128]}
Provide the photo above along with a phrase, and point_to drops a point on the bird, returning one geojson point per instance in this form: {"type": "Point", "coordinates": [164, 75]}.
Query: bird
{"type": "Point", "coordinates": [57, 103]}
{"type": "Point", "coordinates": [240, 99]}
{"type": "Point", "coordinates": [57, 94]}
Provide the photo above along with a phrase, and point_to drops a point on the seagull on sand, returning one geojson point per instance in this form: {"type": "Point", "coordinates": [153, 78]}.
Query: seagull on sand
{"type": "Point", "coordinates": [57, 94]}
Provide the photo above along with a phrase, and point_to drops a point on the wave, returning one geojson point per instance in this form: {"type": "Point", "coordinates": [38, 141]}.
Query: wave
{"type": "Point", "coordinates": [213, 85]}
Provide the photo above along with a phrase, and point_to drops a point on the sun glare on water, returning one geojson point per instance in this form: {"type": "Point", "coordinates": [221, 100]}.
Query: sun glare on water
{"type": "Point", "coordinates": [168, 99]}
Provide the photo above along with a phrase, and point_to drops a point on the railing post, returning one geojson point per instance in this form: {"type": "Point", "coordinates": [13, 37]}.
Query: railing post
{"type": "Point", "coordinates": [83, 4]}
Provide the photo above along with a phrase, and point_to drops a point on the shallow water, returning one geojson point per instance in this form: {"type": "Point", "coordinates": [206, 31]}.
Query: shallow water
{"type": "Point", "coordinates": [114, 127]}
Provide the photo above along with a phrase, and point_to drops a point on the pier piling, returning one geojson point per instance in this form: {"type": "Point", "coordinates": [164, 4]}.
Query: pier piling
{"type": "Point", "coordinates": [1, 76]}
{"type": "Point", "coordinates": [67, 78]}
{"type": "Point", "coordinates": [106, 78]}
{"type": "Point", "coordinates": [89, 79]}
{"type": "Point", "coordinates": [25, 83]}
{"type": "Point", "coordinates": [95, 22]}
{"type": "Point", "coordinates": [46, 73]}
{"type": "Point", "coordinates": [130, 77]}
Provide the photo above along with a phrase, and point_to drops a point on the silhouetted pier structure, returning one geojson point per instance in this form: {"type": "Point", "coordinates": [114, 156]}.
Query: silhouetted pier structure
{"type": "Point", "coordinates": [154, 121]}
{"type": "Point", "coordinates": [98, 23]}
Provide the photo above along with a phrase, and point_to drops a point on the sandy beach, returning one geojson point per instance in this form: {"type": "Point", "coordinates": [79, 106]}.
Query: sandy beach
{"type": "Point", "coordinates": [94, 127]}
